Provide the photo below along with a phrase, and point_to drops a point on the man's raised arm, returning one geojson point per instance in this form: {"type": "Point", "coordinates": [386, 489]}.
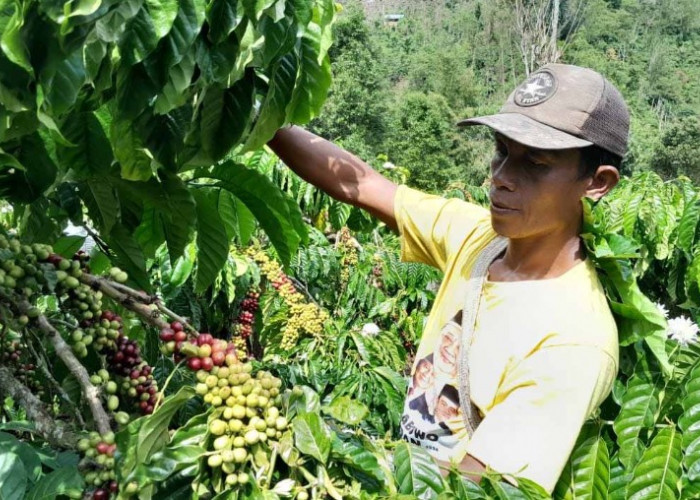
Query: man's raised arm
{"type": "Point", "coordinates": [340, 174]}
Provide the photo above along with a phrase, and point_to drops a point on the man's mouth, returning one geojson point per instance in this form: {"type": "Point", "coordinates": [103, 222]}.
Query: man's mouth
{"type": "Point", "coordinates": [501, 207]}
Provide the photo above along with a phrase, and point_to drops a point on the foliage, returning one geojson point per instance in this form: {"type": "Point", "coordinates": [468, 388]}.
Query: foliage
{"type": "Point", "coordinates": [142, 122]}
{"type": "Point", "coordinates": [107, 107]}
{"type": "Point", "coordinates": [678, 153]}
{"type": "Point", "coordinates": [466, 54]}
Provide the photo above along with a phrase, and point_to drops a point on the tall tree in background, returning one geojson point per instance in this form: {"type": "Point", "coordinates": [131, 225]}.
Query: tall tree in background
{"type": "Point", "coordinates": [544, 27]}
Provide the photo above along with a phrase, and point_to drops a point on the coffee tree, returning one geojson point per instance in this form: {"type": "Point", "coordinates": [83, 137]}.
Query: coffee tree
{"type": "Point", "coordinates": [196, 351]}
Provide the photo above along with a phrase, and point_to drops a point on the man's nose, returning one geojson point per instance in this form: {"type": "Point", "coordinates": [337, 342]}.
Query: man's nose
{"type": "Point", "coordinates": [502, 175]}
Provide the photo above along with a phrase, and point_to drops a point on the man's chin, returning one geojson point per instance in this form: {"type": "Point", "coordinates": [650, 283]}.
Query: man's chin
{"type": "Point", "coordinates": [505, 229]}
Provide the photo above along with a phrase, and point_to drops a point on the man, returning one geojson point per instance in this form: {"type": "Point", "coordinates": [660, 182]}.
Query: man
{"type": "Point", "coordinates": [541, 353]}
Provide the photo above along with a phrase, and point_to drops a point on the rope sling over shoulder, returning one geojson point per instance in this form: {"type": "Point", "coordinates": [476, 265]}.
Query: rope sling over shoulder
{"type": "Point", "coordinates": [472, 299]}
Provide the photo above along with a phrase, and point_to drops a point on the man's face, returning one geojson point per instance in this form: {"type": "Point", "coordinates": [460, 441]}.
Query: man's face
{"type": "Point", "coordinates": [424, 374]}
{"type": "Point", "coordinates": [535, 192]}
{"type": "Point", "coordinates": [449, 350]}
{"type": "Point", "coordinates": [445, 409]}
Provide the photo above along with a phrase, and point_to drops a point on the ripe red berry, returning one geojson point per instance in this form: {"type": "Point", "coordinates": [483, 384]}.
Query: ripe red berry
{"type": "Point", "coordinates": [100, 494]}
{"type": "Point", "coordinates": [180, 336]}
{"type": "Point", "coordinates": [218, 358]}
{"type": "Point", "coordinates": [204, 338]}
{"type": "Point", "coordinates": [207, 364]}
{"type": "Point", "coordinates": [177, 326]}
{"type": "Point", "coordinates": [167, 334]}
{"type": "Point", "coordinates": [102, 448]}
{"type": "Point", "coordinates": [194, 364]}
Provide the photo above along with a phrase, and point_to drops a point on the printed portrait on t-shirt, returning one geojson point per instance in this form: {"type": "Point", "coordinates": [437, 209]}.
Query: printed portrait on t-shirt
{"type": "Point", "coordinates": [447, 405]}
{"type": "Point", "coordinates": [420, 392]}
{"type": "Point", "coordinates": [423, 376]}
{"type": "Point", "coordinates": [447, 353]}
{"type": "Point", "coordinates": [432, 414]}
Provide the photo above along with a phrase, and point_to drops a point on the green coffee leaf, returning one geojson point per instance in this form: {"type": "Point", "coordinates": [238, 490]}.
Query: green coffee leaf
{"type": "Point", "coordinates": [638, 412]}
{"type": "Point", "coordinates": [657, 474]}
{"type": "Point", "coordinates": [312, 436]}
{"type": "Point", "coordinates": [689, 422]}
{"type": "Point", "coordinates": [313, 81]}
{"type": "Point", "coordinates": [63, 481]}
{"type": "Point", "coordinates": [212, 241]}
{"type": "Point", "coordinates": [272, 112]}
{"type": "Point", "coordinates": [223, 17]}
{"type": "Point", "coordinates": [225, 115]}
{"type": "Point", "coordinates": [415, 472]}
{"type": "Point", "coordinates": [13, 478]}
{"type": "Point", "coordinates": [347, 410]}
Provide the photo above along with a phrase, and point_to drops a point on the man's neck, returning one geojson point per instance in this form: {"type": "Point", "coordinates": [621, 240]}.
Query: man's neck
{"type": "Point", "coordinates": [537, 258]}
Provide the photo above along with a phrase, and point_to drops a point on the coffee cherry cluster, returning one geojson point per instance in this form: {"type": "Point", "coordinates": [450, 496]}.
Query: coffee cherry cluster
{"type": "Point", "coordinates": [97, 465]}
{"type": "Point", "coordinates": [348, 248]}
{"type": "Point", "coordinates": [21, 267]}
{"type": "Point", "coordinates": [83, 259]}
{"type": "Point", "coordinates": [137, 380]}
{"type": "Point", "coordinates": [13, 354]}
{"type": "Point", "coordinates": [377, 271]}
{"type": "Point", "coordinates": [109, 389]}
{"type": "Point", "coordinates": [249, 306]}
{"type": "Point", "coordinates": [173, 338]}
{"type": "Point", "coordinates": [105, 330]}
{"type": "Point", "coordinates": [243, 325]}
{"type": "Point", "coordinates": [246, 416]}
{"type": "Point", "coordinates": [406, 334]}
{"type": "Point", "coordinates": [10, 352]}
{"type": "Point", "coordinates": [118, 275]}
{"type": "Point", "coordinates": [303, 317]}
{"type": "Point", "coordinates": [207, 353]}
{"type": "Point", "coordinates": [84, 304]}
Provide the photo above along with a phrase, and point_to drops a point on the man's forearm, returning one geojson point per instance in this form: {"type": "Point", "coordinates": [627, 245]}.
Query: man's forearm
{"type": "Point", "coordinates": [337, 172]}
{"type": "Point", "coordinates": [470, 468]}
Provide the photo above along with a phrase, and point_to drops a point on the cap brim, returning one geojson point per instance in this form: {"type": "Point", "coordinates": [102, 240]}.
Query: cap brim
{"type": "Point", "coordinates": [527, 131]}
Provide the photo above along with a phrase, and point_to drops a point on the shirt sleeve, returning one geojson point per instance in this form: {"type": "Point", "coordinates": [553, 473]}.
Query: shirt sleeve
{"type": "Point", "coordinates": [539, 409]}
{"type": "Point", "coordinates": [432, 228]}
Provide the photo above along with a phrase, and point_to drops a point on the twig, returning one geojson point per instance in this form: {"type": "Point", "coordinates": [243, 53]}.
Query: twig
{"type": "Point", "coordinates": [53, 431]}
{"type": "Point", "coordinates": [300, 286]}
{"type": "Point", "coordinates": [162, 308]}
{"type": "Point", "coordinates": [98, 240]}
{"type": "Point", "coordinates": [64, 323]}
{"type": "Point", "coordinates": [142, 297]}
{"type": "Point", "coordinates": [161, 393]}
{"type": "Point", "coordinates": [90, 392]}
{"type": "Point", "coordinates": [105, 286]}
{"type": "Point", "coordinates": [41, 361]}
{"type": "Point", "coordinates": [65, 353]}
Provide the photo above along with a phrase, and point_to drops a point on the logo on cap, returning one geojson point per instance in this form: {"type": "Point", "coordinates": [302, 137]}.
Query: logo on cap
{"type": "Point", "coordinates": [536, 89]}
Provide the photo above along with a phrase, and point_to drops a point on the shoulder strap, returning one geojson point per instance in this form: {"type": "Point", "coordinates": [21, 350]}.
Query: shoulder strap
{"type": "Point", "coordinates": [469, 312]}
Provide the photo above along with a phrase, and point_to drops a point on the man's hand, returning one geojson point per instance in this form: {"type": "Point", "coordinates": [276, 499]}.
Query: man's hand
{"type": "Point", "coordinates": [337, 172]}
{"type": "Point", "coordinates": [470, 468]}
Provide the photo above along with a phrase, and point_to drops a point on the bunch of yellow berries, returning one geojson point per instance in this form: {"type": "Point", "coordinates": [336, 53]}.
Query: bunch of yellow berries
{"type": "Point", "coordinates": [304, 317]}
{"type": "Point", "coordinates": [246, 415]}
{"type": "Point", "coordinates": [347, 246]}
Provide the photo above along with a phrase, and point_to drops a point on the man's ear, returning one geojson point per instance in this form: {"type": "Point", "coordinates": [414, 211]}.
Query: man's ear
{"type": "Point", "coordinates": [604, 179]}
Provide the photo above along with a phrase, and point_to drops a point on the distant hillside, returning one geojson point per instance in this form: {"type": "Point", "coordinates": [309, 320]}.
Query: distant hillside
{"type": "Point", "coordinates": [377, 8]}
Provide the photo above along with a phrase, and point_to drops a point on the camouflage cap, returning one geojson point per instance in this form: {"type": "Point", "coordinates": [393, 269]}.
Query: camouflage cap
{"type": "Point", "coordinates": [561, 106]}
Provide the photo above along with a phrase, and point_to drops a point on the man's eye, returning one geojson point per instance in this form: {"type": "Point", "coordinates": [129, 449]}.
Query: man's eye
{"type": "Point", "coordinates": [537, 163]}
